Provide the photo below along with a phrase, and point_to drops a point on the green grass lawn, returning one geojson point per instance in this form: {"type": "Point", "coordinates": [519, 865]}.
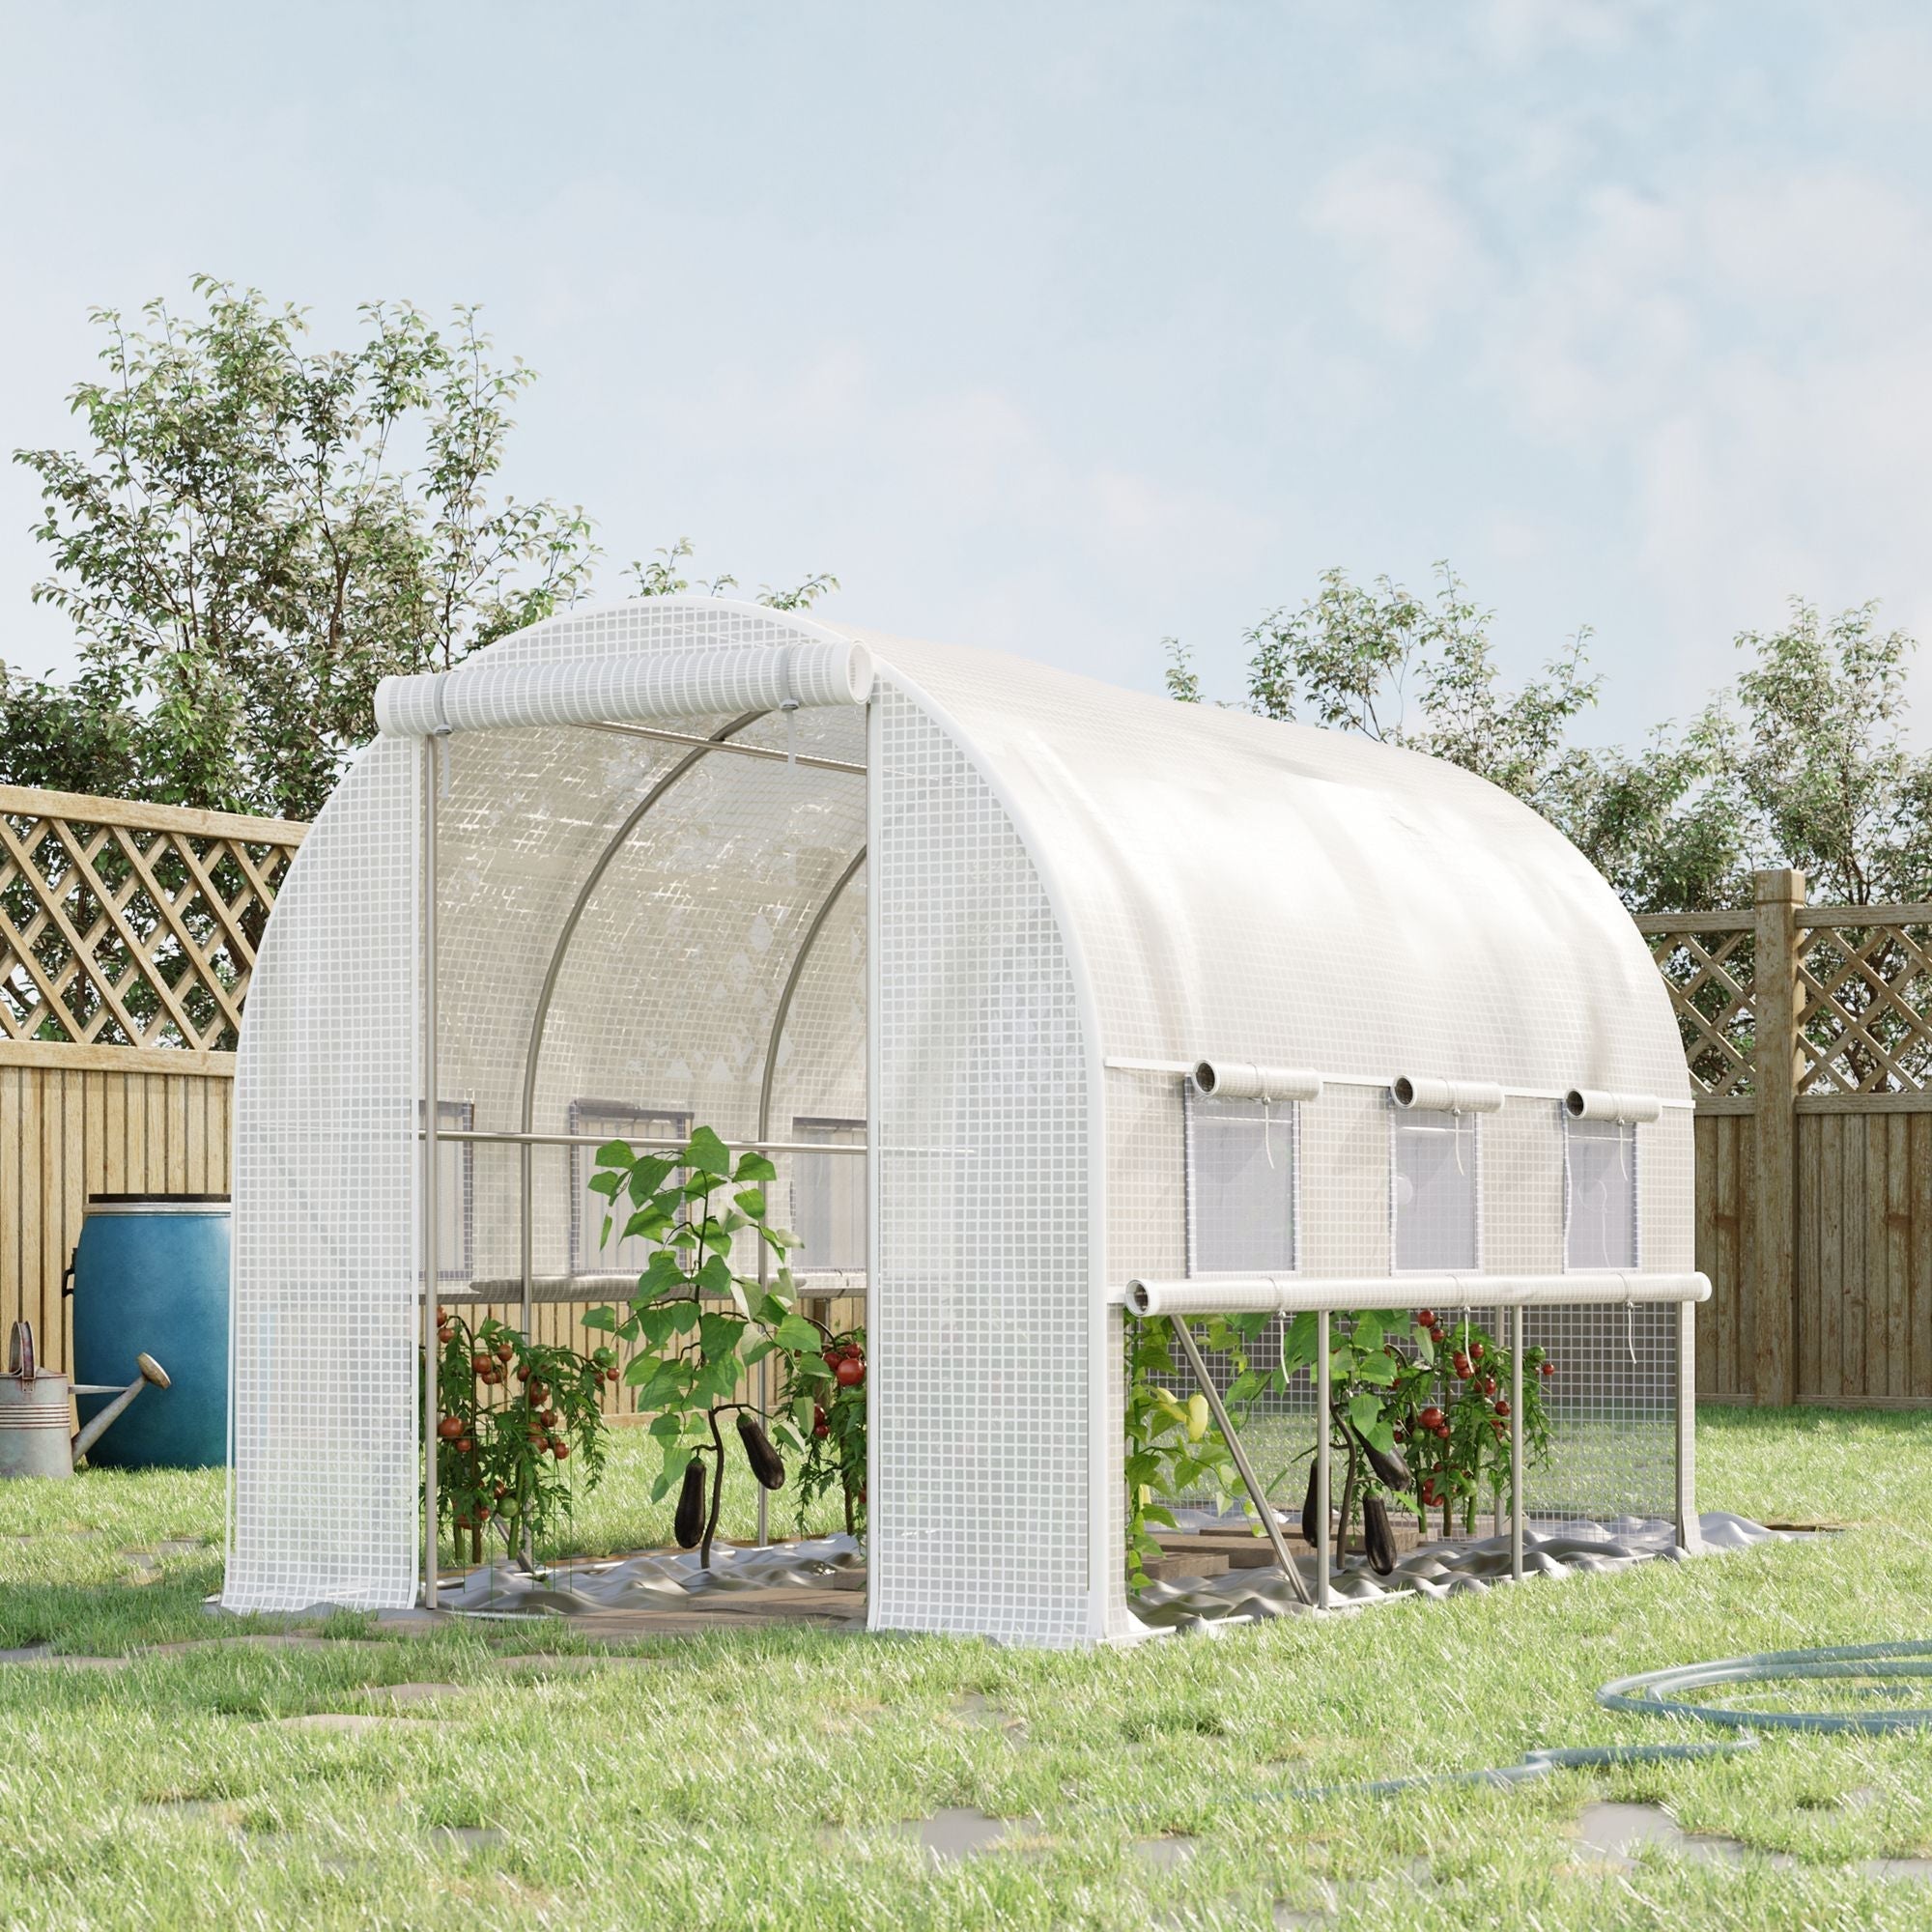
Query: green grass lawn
{"type": "Point", "coordinates": [767, 1780]}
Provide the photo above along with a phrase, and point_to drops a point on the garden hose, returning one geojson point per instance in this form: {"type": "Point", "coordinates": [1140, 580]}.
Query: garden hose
{"type": "Point", "coordinates": [1650, 1692]}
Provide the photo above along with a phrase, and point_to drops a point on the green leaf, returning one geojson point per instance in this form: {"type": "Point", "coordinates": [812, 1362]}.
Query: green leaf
{"type": "Point", "coordinates": [662, 1275]}
{"type": "Point", "coordinates": [754, 1166]}
{"type": "Point", "coordinates": [1367, 1335]}
{"type": "Point", "coordinates": [1365, 1411]}
{"type": "Point", "coordinates": [659, 1324]}
{"type": "Point", "coordinates": [606, 1184]}
{"type": "Point", "coordinates": [666, 1427]}
{"type": "Point", "coordinates": [614, 1153]}
{"type": "Point", "coordinates": [648, 1176]}
{"type": "Point", "coordinates": [1377, 1369]}
{"type": "Point", "coordinates": [751, 1202]}
{"type": "Point", "coordinates": [718, 1335]}
{"type": "Point", "coordinates": [755, 1352]}
{"type": "Point", "coordinates": [1297, 1346]}
{"type": "Point", "coordinates": [599, 1318]}
{"type": "Point", "coordinates": [708, 1154]}
{"type": "Point", "coordinates": [798, 1335]}
{"type": "Point", "coordinates": [715, 1276]}
{"type": "Point", "coordinates": [687, 1316]}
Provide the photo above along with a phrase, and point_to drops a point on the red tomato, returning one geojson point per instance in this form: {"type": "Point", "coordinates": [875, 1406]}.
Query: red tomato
{"type": "Point", "coordinates": [850, 1372]}
{"type": "Point", "coordinates": [1431, 1417]}
{"type": "Point", "coordinates": [449, 1428]}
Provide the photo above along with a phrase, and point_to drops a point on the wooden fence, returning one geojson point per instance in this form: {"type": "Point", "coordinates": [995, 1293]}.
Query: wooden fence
{"type": "Point", "coordinates": [128, 933]}
{"type": "Point", "coordinates": [1808, 1033]}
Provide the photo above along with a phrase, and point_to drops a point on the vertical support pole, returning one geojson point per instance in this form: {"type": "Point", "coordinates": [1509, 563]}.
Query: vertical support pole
{"type": "Point", "coordinates": [1518, 1325]}
{"type": "Point", "coordinates": [432, 1206]}
{"type": "Point", "coordinates": [526, 1191]}
{"type": "Point", "coordinates": [1324, 1536]}
{"type": "Point", "coordinates": [1689, 1536]}
{"type": "Point", "coordinates": [1777, 898]}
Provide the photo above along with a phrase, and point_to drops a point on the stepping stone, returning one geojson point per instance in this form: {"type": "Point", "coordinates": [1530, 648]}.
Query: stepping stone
{"type": "Point", "coordinates": [956, 1834]}
{"type": "Point", "coordinates": [413, 1693]}
{"type": "Point", "coordinates": [360, 1723]}
{"type": "Point", "coordinates": [1165, 1854]}
{"type": "Point", "coordinates": [465, 1838]}
{"type": "Point", "coordinates": [46, 1654]}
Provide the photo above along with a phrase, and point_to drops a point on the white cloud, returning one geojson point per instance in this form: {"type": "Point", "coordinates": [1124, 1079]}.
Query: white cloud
{"type": "Point", "coordinates": [1413, 253]}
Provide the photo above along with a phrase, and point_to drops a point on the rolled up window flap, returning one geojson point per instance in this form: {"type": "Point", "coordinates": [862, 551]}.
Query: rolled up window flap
{"type": "Point", "coordinates": [694, 681]}
{"type": "Point", "coordinates": [1244, 1080]}
{"type": "Point", "coordinates": [1589, 1103]}
{"type": "Point", "coordinates": [1445, 1096]}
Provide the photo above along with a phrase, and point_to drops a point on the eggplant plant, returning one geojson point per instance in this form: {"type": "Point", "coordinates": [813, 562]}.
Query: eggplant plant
{"type": "Point", "coordinates": [696, 1326]}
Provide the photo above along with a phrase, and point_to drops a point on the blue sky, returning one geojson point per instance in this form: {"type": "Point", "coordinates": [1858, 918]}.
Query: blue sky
{"type": "Point", "coordinates": [1064, 328]}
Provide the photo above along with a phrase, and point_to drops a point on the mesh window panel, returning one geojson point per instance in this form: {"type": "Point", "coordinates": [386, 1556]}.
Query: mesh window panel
{"type": "Point", "coordinates": [828, 1200]}
{"type": "Point", "coordinates": [647, 1129]}
{"type": "Point", "coordinates": [1240, 1185]}
{"type": "Point", "coordinates": [1435, 1189]}
{"type": "Point", "coordinates": [1600, 1194]}
{"type": "Point", "coordinates": [982, 1315]}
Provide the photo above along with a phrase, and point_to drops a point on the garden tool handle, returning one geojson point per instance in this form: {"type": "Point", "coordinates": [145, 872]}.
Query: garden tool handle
{"type": "Point", "coordinates": [20, 1351]}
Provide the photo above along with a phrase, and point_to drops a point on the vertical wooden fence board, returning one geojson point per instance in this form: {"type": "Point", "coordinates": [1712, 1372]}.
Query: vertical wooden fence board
{"type": "Point", "coordinates": [1893, 1222]}
{"type": "Point", "coordinates": [1828, 1370]}
{"type": "Point", "coordinates": [1810, 1286]}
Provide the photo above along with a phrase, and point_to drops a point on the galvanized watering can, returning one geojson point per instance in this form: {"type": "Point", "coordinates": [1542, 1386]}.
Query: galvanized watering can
{"type": "Point", "coordinates": [35, 1431]}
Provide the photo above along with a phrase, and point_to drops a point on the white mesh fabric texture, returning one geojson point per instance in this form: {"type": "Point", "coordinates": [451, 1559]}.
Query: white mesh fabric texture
{"type": "Point", "coordinates": [323, 1282]}
{"type": "Point", "coordinates": [985, 1315]}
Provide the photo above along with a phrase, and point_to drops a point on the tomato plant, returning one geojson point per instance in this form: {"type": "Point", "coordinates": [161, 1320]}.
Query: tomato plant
{"type": "Point", "coordinates": [1420, 1410]}
{"type": "Point", "coordinates": [511, 1413]}
{"type": "Point", "coordinates": [832, 1413]}
{"type": "Point", "coordinates": [696, 1326]}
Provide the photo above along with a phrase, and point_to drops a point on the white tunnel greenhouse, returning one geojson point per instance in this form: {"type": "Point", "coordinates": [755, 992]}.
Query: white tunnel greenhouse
{"type": "Point", "coordinates": [1052, 1000]}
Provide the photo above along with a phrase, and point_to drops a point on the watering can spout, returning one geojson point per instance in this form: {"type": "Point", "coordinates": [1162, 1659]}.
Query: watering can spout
{"type": "Point", "coordinates": [151, 1371]}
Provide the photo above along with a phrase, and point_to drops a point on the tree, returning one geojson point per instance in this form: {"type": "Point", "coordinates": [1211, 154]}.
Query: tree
{"type": "Point", "coordinates": [1804, 762]}
{"type": "Point", "coordinates": [1419, 673]}
{"type": "Point", "coordinates": [662, 577]}
{"type": "Point", "coordinates": [257, 532]}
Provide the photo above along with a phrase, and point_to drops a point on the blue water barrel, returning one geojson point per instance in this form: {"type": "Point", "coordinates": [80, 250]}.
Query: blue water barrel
{"type": "Point", "coordinates": [152, 1273]}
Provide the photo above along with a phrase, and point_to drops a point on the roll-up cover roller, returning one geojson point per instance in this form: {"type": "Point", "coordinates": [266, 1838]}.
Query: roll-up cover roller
{"type": "Point", "coordinates": [1446, 1096]}
{"type": "Point", "coordinates": [1243, 1080]}
{"type": "Point", "coordinates": [1586, 1103]}
{"type": "Point", "coordinates": [1283, 1293]}
{"type": "Point", "coordinates": [695, 681]}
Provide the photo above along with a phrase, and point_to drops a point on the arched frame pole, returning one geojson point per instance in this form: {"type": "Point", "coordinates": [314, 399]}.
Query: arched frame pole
{"type": "Point", "coordinates": [540, 1014]}
{"type": "Point", "coordinates": [778, 1018]}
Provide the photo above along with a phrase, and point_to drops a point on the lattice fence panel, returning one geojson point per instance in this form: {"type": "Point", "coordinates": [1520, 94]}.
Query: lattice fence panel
{"type": "Point", "coordinates": [124, 924]}
{"type": "Point", "coordinates": [1707, 962]}
{"type": "Point", "coordinates": [1866, 1021]}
